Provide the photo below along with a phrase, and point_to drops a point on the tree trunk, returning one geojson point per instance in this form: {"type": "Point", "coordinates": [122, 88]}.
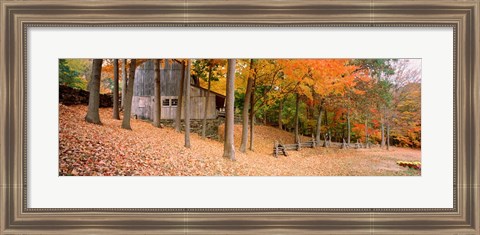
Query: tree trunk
{"type": "Point", "coordinates": [157, 109]}
{"type": "Point", "coordinates": [252, 116]}
{"type": "Point", "coordinates": [252, 122]}
{"type": "Point", "coordinates": [229, 149]}
{"type": "Point", "coordinates": [366, 133]}
{"type": "Point", "coordinates": [388, 136]}
{"type": "Point", "coordinates": [124, 82]}
{"type": "Point", "coordinates": [129, 95]}
{"type": "Point", "coordinates": [348, 127]}
{"type": "Point", "coordinates": [116, 114]}
{"type": "Point", "coordinates": [297, 104]}
{"type": "Point", "coordinates": [382, 129]}
{"type": "Point", "coordinates": [280, 111]}
{"type": "Point", "coordinates": [178, 117]}
{"type": "Point", "coordinates": [187, 104]}
{"type": "Point", "coordinates": [94, 98]}
{"type": "Point", "coordinates": [246, 104]}
{"type": "Point", "coordinates": [207, 100]}
{"type": "Point", "coordinates": [319, 124]}
{"type": "Point", "coordinates": [325, 141]}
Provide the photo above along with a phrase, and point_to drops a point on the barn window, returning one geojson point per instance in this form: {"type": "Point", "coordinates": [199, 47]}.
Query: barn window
{"type": "Point", "coordinates": [166, 102]}
{"type": "Point", "coordinates": [174, 102]}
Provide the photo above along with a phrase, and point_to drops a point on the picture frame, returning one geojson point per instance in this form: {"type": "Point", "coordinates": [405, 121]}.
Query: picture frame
{"type": "Point", "coordinates": [17, 16]}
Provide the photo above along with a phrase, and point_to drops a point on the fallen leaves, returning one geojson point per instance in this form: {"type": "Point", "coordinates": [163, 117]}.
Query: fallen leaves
{"type": "Point", "coordinates": [415, 165]}
{"type": "Point", "coordinates": [107, 150]}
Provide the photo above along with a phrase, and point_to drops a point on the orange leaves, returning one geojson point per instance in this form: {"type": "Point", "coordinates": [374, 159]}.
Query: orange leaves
{"type": "Point", "coordinates": [324, 76]}
{"type": "Point", "coordinates": [107, 150]}
{"type": "Point", "coordinates": [305, 90]}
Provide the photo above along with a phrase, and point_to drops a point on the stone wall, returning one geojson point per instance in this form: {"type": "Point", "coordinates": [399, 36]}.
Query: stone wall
{"type": "Point", "coordinates": [73, 96]}
{"type": "Point", "coordinates": [196, 126]}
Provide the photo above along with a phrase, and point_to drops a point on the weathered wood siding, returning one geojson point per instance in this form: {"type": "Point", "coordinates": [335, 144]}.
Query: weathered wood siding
{"type": "Point", "coordinates": [170, 81]}
{"type": "Point", "coordinates": [142, 107]}
{"type": "Point", "coordinates": [198, 104]}
{"type": "Point", "coordinates": [171, 73]}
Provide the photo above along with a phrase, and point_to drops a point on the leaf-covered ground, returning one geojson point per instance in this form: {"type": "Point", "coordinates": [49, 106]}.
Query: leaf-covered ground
{"type": "Point", "coordinates": [88, 149]}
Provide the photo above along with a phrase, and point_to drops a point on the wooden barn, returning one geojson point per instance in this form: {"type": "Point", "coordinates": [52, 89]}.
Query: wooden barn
{"type": "Point", "coordinates": [170, 79]}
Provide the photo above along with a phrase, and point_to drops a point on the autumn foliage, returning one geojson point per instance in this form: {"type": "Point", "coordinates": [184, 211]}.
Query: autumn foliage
{"type": "Point", "coordinates": [356, 103]}
{"type": "Point", "coordinates": [369, 91]}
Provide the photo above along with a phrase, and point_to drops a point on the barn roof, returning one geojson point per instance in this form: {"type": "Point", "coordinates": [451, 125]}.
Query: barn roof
{"type": "Point", "coordinates": [217, 94]}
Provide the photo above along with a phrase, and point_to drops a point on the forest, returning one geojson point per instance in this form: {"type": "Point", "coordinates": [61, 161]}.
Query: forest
{"type": "Point", "coordinates": [240, 117]}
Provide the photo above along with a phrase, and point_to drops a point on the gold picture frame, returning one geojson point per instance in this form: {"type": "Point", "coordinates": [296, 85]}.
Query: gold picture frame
{"type": "Point", "coordinates": [17, 16]}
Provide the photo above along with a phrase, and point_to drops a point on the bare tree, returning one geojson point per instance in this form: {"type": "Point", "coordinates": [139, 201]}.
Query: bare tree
{"type": "Point", "coordinates": [406, 75]}
{"type": "Point", "coordinates": [129, 96]}
{"type": "Point", "coordinates": [297, 106]}
{"type": "Point", "coordinates": [348, 127]}
{"type": "Point", "coordinates": [382, 128]}
{"type": "Point", "coordinates": [158, 103]}
{"type": "Point", "coordinates": [280, 112]}
{"type": "Point", "coordinates": [229, 149]}
{"type": "Point", "coordinates": [252, 118]}
{"type": "Point", "coordinates": [367, 144]}
{"type": "Point", "coordinates": [116, 114]}
{"type": "Point", "coordinates": [187, 105]}
{"type": "Point", "coordinates": [94, 98]}
{"type": "Point", "coordinates": [207, 99]}
{"type": "Point", "coordinates": [319, 123]}
{"type": "Point", "coordinates": [124, 82]}
{"type": "Point", "coordinates": [178, 117]}
{"type": "Point", "coordinates": [246, 104]}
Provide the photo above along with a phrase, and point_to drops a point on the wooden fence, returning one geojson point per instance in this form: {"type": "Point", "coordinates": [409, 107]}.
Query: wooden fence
{"type": "Point", "coordinates": [279, 148]}
{"type": "Point", "coordinates": [282, 148]}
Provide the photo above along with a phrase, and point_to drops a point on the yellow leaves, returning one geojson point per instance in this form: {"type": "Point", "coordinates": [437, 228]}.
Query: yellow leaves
{"type": "Point", "coordinates": [305, 90]}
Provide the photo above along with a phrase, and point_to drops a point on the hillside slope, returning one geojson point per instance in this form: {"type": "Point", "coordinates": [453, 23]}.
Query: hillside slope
{"type": "Point", "coordinates": [88, 149]}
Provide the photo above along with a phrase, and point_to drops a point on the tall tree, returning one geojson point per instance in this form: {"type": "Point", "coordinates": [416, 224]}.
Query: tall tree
{"type": "Point", "coordinates": [266, 82]}
{"type": "Point", "coordinates": [252, 118]}
{"type": "Point", "coordinates": [332, 79]}
{"type": "Point", "coordinates": [403, 115]}
{"type": "Point", "coordinates": [187, 104]}
{"type": "Point", "coordinates": [207, 101]}
{"type": "Point", "coordinates": [178, 116]}
{"type": "Point", "coordinates": [94, 98]}
{"type": "Point", "coordinates": [229, 149]}
{"type": "Point", "coordinates": [388, 136]}
{"type": "Point", "coordinates": [129, 96]}
{"type": "Point", "coordinates": [116, 114]}
{"type": "Point", "coordinates": [246, 104]}
{"type": "Point", "coordinates": [297, 105]}
{"type": "Point", "coordinates": [158, 103]}
{"type": "Point", "coordinates": [299, 71]}
{"type": "Point", "coordinates": [379, 70]}
{"type": "Point", "coordinates": [327, 133]}
{"type": "Point", "coordinates": [348, 128]}
{"type": "Point", "coordinates": [280, 113]}
{"type": "Point", "coordinates": [319, 123]}
{"type": "Point", "coordinates": [208, 70]}
{"type": "Point", "coordinates": [124, 82]}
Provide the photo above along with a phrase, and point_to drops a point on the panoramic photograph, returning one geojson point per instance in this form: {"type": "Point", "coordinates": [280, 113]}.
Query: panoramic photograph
{"type": "Point", "coordinates": [239, 117]}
